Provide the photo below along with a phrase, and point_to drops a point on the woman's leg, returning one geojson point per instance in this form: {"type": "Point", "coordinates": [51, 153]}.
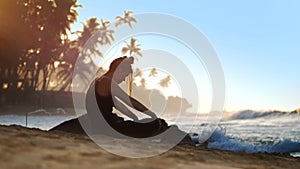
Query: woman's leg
{"type": "Point", "coordinates": [71, 126]}
{"type": "Point", "coordinates": [142, 129]}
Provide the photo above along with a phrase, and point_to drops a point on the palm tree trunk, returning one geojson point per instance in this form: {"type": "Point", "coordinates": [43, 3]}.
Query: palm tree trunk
{"type": "Point", "coordinates": [66, 85]}
{"type": "Point", "coordinates": [44, 87]}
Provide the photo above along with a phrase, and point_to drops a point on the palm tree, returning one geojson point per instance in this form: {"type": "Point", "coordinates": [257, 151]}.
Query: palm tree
{"type": "Point", "coordinates": [35, 31]}
{"type": "Point", "coordinates": [127, 19]}
{"type": "Point", "coordinates": [105, 34]}
{"type": "Point", "coordinates": [138, 73]}
{"type": "Point", "coordinates": [132, 48]}
{"type": "Point", "coordinates": [89, 29]}
{"type": "Point", "coordinates": [165, 82]}
{"type": "Point", "coordinates": [58, 17]}
{"type": "Point", "coordinates": [72, 49]}
{"type": "Point", "coordinates": [153, 72]}
{"type": "Point", "coordinates": [65, 75]}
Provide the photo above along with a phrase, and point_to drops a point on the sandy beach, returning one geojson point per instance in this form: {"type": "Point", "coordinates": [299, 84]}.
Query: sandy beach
{"type": "Point", "coordinates": [32, 148]}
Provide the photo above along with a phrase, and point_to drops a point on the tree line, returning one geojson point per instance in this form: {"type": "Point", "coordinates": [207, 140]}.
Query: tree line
{"type": "Point", "coordinates": [35, 43]}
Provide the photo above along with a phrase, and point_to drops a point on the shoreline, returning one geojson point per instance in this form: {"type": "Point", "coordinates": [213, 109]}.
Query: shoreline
{"type": "Point", "coordinates": [33, 148]}
{"type": "Point", "coordinates": [36, 110]}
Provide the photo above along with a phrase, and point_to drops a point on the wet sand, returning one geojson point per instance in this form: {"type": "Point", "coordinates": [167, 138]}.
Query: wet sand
{"type": "Point", "coordinates": [32, 148]}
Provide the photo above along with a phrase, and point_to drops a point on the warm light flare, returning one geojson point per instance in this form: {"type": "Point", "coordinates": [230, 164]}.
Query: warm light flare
{"type": "Point", "coordinates": [53, 84]}
{"type": "Point", "coordinates": [5, 86]}
{"type": "Point", "coordinates": [19, 85]}
{"type": "Point", "coordinates": [56, 64]}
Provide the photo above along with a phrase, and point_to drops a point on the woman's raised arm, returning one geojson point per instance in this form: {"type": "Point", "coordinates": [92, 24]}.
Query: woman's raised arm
{"type": "Point", "coordinates": [130, 101]}
{"type": "Point", "coordinates": [122, 108]}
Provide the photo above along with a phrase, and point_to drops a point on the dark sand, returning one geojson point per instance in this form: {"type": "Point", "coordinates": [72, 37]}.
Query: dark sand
{"type": "Point", "coordinates": [32, 148]}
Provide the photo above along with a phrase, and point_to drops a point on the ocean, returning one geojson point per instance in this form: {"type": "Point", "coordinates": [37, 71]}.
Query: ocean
{"type": "Point", "coordinates": [244, 131]}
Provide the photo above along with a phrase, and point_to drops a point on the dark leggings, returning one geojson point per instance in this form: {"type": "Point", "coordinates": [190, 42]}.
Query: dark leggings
{"type": "Point", "coordinates": [142, 129]}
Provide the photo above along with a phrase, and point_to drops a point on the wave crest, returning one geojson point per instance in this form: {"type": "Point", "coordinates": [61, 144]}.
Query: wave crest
{"type": "Point", "coordinates": [250, 114]}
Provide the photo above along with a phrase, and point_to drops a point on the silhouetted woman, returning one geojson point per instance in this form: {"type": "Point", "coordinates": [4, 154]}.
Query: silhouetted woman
{"type": "Point", "coordinates": [109, 95]}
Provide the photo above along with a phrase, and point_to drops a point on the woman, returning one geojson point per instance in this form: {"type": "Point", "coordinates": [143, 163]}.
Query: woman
{"type": "Point", "coordinates": [108, 96]}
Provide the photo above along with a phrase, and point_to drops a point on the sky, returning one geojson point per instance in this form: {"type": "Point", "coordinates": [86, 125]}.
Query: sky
{"type": "Point", "coordinates": [257, 42]}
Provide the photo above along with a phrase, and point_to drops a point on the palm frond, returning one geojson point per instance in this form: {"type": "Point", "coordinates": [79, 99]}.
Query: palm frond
{"type": "Point", "coordinates": [138, 72]}
{"type": "Point", "coordinates": [139, 53]}
{"type": "Point", "coordinates": [126, 19]}
{"type": "Point", "coordinates": [132, 42]}
{"type": "Point", "coordinates": [153, 72]}
{"type": "Point", "coordinates": [165, 82]}
{"type": "Point", "coordinates": [125, 50]}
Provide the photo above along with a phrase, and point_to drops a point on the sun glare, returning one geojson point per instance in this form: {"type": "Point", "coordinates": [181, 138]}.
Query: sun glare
{"type": "Point", "coordinates": [153, 82]}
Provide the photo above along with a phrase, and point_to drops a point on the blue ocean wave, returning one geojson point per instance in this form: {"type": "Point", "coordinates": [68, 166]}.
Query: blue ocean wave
{"type": "Point", "coordinates": [219, 140]}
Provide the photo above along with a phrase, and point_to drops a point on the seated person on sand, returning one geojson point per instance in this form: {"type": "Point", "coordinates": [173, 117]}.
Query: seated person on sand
{"type": "Point", "coordinates": [107, 93]}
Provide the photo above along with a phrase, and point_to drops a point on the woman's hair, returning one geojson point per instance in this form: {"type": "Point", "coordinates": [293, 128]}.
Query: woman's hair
{"type": "Point", "coordinates": [124, 64]}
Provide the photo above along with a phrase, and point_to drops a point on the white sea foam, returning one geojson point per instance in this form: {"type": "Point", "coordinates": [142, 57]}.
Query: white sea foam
{"type": "Point", "coordinates": [220, 141]}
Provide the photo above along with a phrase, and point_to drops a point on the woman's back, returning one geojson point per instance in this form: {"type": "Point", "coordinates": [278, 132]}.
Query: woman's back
{"type": "Point", "coordinates": [100, 90]}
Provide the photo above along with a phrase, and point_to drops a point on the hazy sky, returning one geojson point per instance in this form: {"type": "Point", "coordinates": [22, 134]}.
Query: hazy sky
{"type": "Point", "coordinates": [257, 41]}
